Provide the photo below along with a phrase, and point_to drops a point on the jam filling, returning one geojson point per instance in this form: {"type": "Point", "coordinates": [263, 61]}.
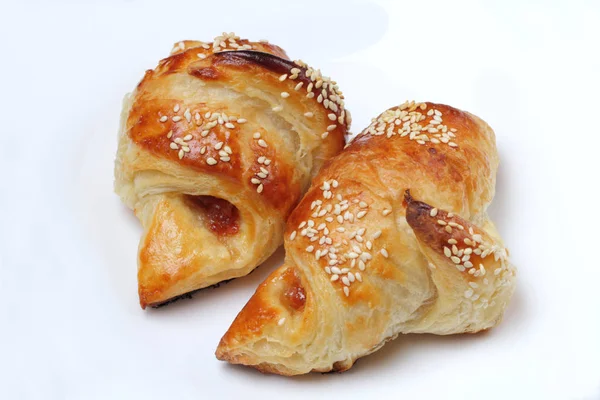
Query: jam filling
{"type": "Point", "coordinates": [221, 217]}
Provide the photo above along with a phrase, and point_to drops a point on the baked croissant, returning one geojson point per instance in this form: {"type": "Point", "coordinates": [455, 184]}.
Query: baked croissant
{"type": "Point", "coordinates": [392, 237]}
{"type": "Point", "coordinates": [217, 145]}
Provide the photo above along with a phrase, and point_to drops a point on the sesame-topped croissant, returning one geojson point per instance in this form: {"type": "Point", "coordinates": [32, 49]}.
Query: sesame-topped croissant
{"type": "Point", "coordinates": [217, 145]}
{"type": "Point", "coordinates": [392, 237]}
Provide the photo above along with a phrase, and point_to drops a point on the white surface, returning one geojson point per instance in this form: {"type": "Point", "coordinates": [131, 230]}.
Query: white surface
{"type": "Point", "coordinates": [70, 324]}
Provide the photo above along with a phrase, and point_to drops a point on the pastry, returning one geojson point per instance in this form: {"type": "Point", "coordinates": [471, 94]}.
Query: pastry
{"type": "Point", "coordinates": [392, 237]}
{"type": "Point", "coordinates": [217, 145]}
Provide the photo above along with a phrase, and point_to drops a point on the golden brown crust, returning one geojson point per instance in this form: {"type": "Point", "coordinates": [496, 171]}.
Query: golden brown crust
{"type": "Point", "coordinates": [233, 120]}
{"type": "Point", "coordinates": [375, 260]}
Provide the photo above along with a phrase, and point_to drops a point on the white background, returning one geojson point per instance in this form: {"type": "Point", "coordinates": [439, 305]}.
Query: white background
{"type": "Point", "coordinates": [70, 324]}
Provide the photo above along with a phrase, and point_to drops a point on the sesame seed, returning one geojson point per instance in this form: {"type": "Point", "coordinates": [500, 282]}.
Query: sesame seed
{"type": "Point", "coordinates": [180, 154]}
{"type": "Point", "coordinates": [283, 77]}
{"type": "Point", "coordinates": [447, 252]}
{"type": "Point", "coordinates": [482, 270]}
{"type": "Point", "coordinates": [285, 95]}
{"type": "Point", "coordinates": [229, 125]}
{"type": "Point", "coordinates": [256, 135]}
{"type": "Point", "coordinates": [384, 253]}
{"type": "Point", "coordinates": [362, 204]}
{"type": "Point", "coordinates": [345, 280]}
{"type": "Point", "coordinates": [262, 143]}
{"type": "Point", "coordinates": [281, 321]}
{"type": "Point", "coordinates": [164, 118]}
{"type": "Point", "coordinates": [187, 138]}
{"type": "Point", "coordinates": [334, 277]}
{"type": "Point", "coordinates": [452, 241]}
{"type": "Point", "coordinates": [361, 265]}
{"type": "Point", "coordinates": [169, 135]}
{"type": "Point", "coordinates": [468, 293]}
{"type": "Point", "coordinates": [259, 189]}
{"type": "Point", "coordinates": [386, 212]}
{"type": "Point", "coordinates": [336, 270]}
{"type": "Point", "coordinates": [331, 127]}
{"type": "Point", "coordinates": [448, 229]}
{"type": "Point", "coordinates": [455, 260]}
{"type": "Point", "coordinates": [324, 135]}
{"type": "Point", "coordinates": [310, 248]}
{"type": "Point", "coordinates": [176, 108]}
{"type": "Point", "coordinates": [433, 212]}
{"type": "Point", "coordinates": [497, 271]}
{"type": "Point", "coordinates": [361, 214]}
{"type": "Point", "coordinates": [376, 235]}
{"type": "Point", "coordinates": [201, 56]}
{"type": "Point", "coordinates": [346, 291]}
{"type": "Point", "coordinates": [174, 146]}
{"type": "Point", "coordinates": [255, 181]}
{"type": "Point", "coordinates": [211, 161]}
{"type": "Point", "coordinates": [203, 150]}
{"type": "Point", "coordinates": [332, 116]}
{"type": "Point", "coordinates": [473, 285]}
{"type": "Point", "coordinates": [308, 114]}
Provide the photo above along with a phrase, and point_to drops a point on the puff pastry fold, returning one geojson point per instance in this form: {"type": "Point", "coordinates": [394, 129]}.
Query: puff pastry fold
{"type": "Point", "coordinates": [392, 237]}
{"type": "Point", "coordinates": [217, 144]}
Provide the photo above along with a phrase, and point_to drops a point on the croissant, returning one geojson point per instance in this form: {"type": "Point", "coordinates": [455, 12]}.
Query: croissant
{"type": "Point", "coordinates": [392, 237]}
{"type": "Point", "coordinates": [217, 145]}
